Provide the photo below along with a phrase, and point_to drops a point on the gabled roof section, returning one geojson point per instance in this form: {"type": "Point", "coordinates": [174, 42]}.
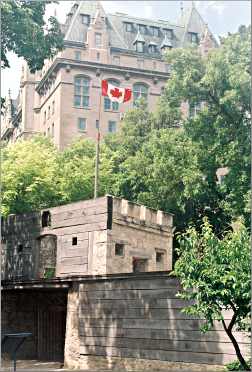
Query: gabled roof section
{"type": "Point", "coordinates": [121, 37]}
{"type": "Point", "coordinates": [166, 42]}
{"type": "Point", "coordinates": [139, 39]}
{"type": "Point", "coordinates": [75, 29]}
{"type": "Point", "coordinates": [192, 22]}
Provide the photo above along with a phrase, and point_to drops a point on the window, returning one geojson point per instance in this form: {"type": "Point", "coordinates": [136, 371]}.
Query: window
{"type": "Point", "coordinates": [159, 257]}
{"type": "Point", "coordinates": [82, 124]}
{"type": "Point", "coordinates": [154, 65]}
{"type": "Point", "coordinates": [152, 48]}
{"type": "Point", "coordinates": [44, 117]}
{"type": "Point", "coordinates": [85, 19]}
{"type": "Point", "coordinates": [139, 46]}
{"type": "Point", "coordinates": [128, 27]}
{"type": "Point", "coordinates": [112, 126]}
{"type": "Point", "coordinates": [142, 29]}
{"type": "Point", "coordinates": [154, 31]}
{"type": "Point", "coordinates": [168, 33]}
{"type": "Point", "coordinates": [20, 248]}
{"type": "Point", "coordinates": [81, 92]}
{"type": "Point", "coordinates": [108, 104]}
{"type": "Point", "coordinates": [53, 107]}
{"type": "Point", "coordinates": [116, 60]}
{"type": "Point", "coordinates": [46, 219]}
{"type": "Point", "coordinates": [119, 249]}
{"type": "Point", "coordinates": [139, 265]}
{"type": "Point", "coordinates": [52, 129]}
{"type": "Point", "coordinates": [98, 40]}
{"type": "Point", "coordinates": [49, 112]}
{"type": "Point", "coordinates": [98, 56]}
{"type": "Point", "coordinates": [74, 240]}
{"type": "Point", "coordinates": [97, 126]}
{"type": "Point", "coordinates": [139, 91]}
{"type": "Point", "coordinates": [48, 131]}
{"type": "Point", "coordinates": [77, 55]}
{"type": "Point", "coordinates": [194, 109]}
{"type": "Point", "coordinates": [140, 63]}
{"type": "Point", "coordinates": [193, 37]}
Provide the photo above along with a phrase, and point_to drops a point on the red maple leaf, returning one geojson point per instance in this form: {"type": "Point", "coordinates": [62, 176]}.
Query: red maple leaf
{"type": "Point", "coordinates": [116, 92]}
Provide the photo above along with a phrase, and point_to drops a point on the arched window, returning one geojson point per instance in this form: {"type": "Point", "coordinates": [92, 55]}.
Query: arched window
{"type": "Point", "coordinates": [140, 91]}
{"type": "Point", "coordinates": [108, 104]}
{"type": "Point", "coordinates": [81, 91]}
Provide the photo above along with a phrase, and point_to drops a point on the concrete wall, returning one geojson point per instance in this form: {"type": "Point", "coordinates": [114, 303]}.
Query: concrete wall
{"type": "Point", "coordinates": [136, 322]}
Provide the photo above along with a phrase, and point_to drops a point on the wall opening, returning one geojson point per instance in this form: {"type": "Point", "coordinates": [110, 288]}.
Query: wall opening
{"type": "Point", "coordinates": [74, 240]}
{"type": "Point", "coordinates": [140, 265]}
{"type": "Point", "coordinates": [46, 219]}
{"type": "Point", "coordinates": [119, 249]}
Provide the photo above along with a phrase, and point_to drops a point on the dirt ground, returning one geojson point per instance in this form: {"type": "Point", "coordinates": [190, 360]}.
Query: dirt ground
{"type": "Point", "coordinates": [34, 365]}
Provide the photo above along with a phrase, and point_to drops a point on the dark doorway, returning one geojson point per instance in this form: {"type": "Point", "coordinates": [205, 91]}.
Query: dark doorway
{"type": "Point", "coordinates": [52, 327]}
{"type": "Point", "coordinates": [41, 312]}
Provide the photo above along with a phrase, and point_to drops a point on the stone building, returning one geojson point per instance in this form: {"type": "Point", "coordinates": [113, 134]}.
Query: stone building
{"type": "Point", "coordinates": [107, 235]}
{"type": "Point", "coordinates": [63, 100]}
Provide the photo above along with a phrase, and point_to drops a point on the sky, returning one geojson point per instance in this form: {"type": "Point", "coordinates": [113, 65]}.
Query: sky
{"type": "Point", "coordinates": [221, 16]}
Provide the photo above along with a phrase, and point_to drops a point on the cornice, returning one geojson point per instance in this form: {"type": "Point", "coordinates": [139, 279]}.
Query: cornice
{"type": "Point", "coordinates": [98, 67]}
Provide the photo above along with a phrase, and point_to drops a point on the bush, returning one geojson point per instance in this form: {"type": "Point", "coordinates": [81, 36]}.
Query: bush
{"type": "Point", "coordinates": [236, 366]}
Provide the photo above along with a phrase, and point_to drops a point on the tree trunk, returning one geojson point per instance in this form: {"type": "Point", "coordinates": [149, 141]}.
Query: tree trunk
{"type": "Point", "coordinates": [234, 342]}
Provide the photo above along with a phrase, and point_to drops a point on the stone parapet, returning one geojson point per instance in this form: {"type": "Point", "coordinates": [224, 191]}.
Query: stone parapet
{"type": "Point", "coordinates": [136, 213]}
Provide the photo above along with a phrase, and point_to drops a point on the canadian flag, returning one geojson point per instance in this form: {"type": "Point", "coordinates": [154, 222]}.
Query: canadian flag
{"type": "Point", "coordinates": [116, 94]}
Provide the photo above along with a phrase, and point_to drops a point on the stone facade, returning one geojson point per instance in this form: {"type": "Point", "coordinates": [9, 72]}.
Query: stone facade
{"type": "Point", "coordinates": [128, 321]}
{"type": "Point", "coordinates": [98, 46]}
{"type": "Point", "coordinates": [103, 236]}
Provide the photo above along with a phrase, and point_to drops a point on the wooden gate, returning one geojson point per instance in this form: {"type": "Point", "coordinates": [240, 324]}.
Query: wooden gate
{"type": "Point", "coordinates": [51, 332]}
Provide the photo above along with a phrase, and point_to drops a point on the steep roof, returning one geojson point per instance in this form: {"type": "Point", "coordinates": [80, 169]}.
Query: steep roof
{"type": "Point", "coordinates": [119, 37]}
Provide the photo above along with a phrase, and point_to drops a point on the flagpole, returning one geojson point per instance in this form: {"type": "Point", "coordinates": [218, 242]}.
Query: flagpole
{"type": "Point", "coordinates": [97, 155]}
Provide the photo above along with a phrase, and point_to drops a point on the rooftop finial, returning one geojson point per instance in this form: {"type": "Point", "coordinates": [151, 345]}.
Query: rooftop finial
{"type": "Point", "coordinates": [181, 7]}
{"type": "Point", "coordinates": [9, 93]}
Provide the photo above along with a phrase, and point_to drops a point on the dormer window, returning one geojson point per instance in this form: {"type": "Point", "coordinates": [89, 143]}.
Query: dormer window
{"type": "Point", "coordinates": [168, 33]}
{"type": "Point", "coordinates": [152, 48]}
{"type": "Point", "coordinates": [142, 29]}
{"type": "Point", "coordinates": [85, 19]}
{"type": "Point", "coordinates": [193, 37]}
{"type": "Point", "coordinates": [139, 46]}
{"type": "Point", "coordinates": [128, 27]}
{"type": "Point", "coordinates": [154, 31]}
{"type": "Point", "coordinates": [165, 48]}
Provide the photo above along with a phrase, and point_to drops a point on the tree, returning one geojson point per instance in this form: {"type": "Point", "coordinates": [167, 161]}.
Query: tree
{"type": "Point", "coordinates": [220, 83]}
{"type": "Point", "coordinates": [162, 174]}
{"type": "Point", "coordinates": [215, 274]}
{"type": "Point", "coordinates": [25, 33]}
{"type": "Point", "coordinates": [77, 169]}
{"type": "Point", "coordinates": [29, 176]}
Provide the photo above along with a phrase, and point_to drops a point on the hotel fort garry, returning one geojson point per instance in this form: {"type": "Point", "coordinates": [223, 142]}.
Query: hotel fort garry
{"type": "Point", "coordinates": [64, 101]}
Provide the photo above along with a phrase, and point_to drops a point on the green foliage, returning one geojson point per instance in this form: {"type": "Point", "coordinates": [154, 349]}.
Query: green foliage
{"type": "Point", "coordinates": [236, 366]}
{"type": "Point", "coordinates": [218, 271]}
{"type": "Point", "coordinates": [29, 176]}
{"type": "Point", "coordinates": [221, 130]}
{"type": "Point", "coordinates": [36, 175]}
{"type": "Point", "coordinates": [25, 33]}
{"type": "Point", "coordinates": [215, 274]}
